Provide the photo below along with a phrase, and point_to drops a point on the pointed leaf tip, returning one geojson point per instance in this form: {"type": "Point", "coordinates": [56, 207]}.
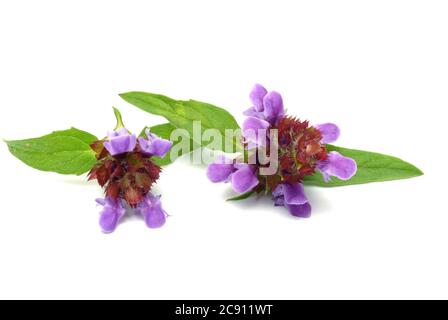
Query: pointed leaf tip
{"type": "Point", "coordinates": [119, 118]}
{"type": "Point", "coordinates": [64, 152]}
{"type": "Point", "coordinates": [242, 196]}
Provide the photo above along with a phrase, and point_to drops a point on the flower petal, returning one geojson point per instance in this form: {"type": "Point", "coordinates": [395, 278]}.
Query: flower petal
{"type": "Point", "coordinates": [278, 195]}
{"type": "Point", "coordinates": [120, 143]}
{"type": "Point", "coordinates": [256, 96]}
{"type": "Point", "coordinates": [155, 218]}
{"type": "Point", "coordinates": [294, 194]}
{"type": "Point", "coordinates": [252, 112]}
{"type": "Point", "coordinates": [101, 201]}
{"type": "Point", "coordinates": [108, 220]}
{"type": "Point", "coordinates": [325, 176]}
{"type": "Point", "coordinates": [301, 210]}
{"type": "Point", "coordinates": [330, 132]}
{"type": "Point", "coordinates": [155, 146]}
{"type": "Point", "coordinates": [153, 213]}
{"type": "Point", "coordinates": [293, 197]}
{"type": "Point", "coordinates": [244, 179]}
{"type": "Point", "coordinates": [255, 130]}
{"type": "Point", "coordinates": [112, 212]}
{"type": "Point", "coordinates": [161, 147]}
{"type": "Point", "coordinates": [117, 133]}
{"type": "Point", "coordinates": [252, 123]}
{"type": "Point", "coordinates": [220, 170]}
{"type": "Point", "coordinates": [273, 107]}
{"type": "Point", "coordinates": [339, 166]}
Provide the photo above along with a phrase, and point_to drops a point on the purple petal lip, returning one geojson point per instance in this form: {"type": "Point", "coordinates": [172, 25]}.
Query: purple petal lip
{"type": "Point", "coordinates": [220, 170]}
{"type": "Point", "coordinates": [157, 147]}
{"type": "Point", "coordinates": [255, 130]}
{"type": "Point", "coordinates": [252, 123]}
{"type": "Point", "coordinates": [217, 172]}
{"type": "Point", "coordinates": [152, 211]}
{"type": "Point", "coordinates": [330, 132]}
{"type": "Point", "coordinates": [338, 166]}
{"type": "Point", "coordinates": [293, 197]}
{"type": "Point", "coordinates": [242, 176]}
{"type": "Point", "coordinates": [120, 142]}
{"type": "Point", "coordinates": [252, 112]}
{"type": "Point", "coordinates": [294, 194]}
{"type": "Point", "coordinates": [244, 179]}
{"type": "Point", "coordinates": [273, 107]}
{"type": "Point", "coordinates": [301, 211]}
{"type": "Point", "coordinates": [256, 96]}
{"type": "Point", "coordinates": [154, 145]}
{"type": "Point", "coordinates": [111, 215]}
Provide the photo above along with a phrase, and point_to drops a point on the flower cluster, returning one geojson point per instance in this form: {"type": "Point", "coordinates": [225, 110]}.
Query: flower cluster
{"type": "Point", "coordinates": [301, 152]}
{"type": "Point", "coordinates": [127, 173]}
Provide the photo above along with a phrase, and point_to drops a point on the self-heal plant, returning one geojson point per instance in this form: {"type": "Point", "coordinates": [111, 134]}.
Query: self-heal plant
{"type": "Point", "coordinates": [278, 154]}
{"type": "Point", "coordinates": [122, 163]}
{"type": "Point", "coordinates": [301, 150]}
{"type": "Point", "coordinates": [127, 173]}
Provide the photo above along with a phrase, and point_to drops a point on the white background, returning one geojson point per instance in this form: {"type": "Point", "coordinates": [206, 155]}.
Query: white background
{"type": "Point", "coordinates": [379, 69]}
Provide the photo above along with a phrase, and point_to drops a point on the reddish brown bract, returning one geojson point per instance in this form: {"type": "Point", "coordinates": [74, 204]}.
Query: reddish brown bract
{"type": "Point", "coordinates": [299, 149]}
{"type": "Point", "coordinates": [129, 176]}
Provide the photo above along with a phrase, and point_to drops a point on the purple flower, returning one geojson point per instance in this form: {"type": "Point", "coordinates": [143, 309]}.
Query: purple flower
{"type": "Point", "coordinates": [120, 141]}
{"type": "Point", "coordinates": [338, 166]}
{"type": "Point", "coordinates": [152, 211]}
{"type": "Point", "coordinates": [266, 106]}
{"type": "Point", "coordinates": [127, 173]}
{"type": "Point", "coordinates": [255, 131]}
{"type": "Point", "coordinates": [154, 145]}
{"type": "Point", "coordinates": [293, 197]}
{"type": "Point", "coordinates": [242, 176]}
{"type": "Point", "coordinates": [220, 170]}
{"type": "Point", "coordinates": [330, 132]}
{"type": "Point", "coordinates": [113, 211]}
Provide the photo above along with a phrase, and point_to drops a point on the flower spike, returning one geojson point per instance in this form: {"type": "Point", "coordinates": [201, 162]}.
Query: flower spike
{"type": "Point", "coordinates": [127, 172]}
{"type": "Point", "coordinates": [302, 150]}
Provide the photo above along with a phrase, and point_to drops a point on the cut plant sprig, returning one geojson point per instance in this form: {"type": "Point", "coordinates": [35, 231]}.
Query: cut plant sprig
{"type": "Point", "coordinates": [122, 163]}
{"type": "Point", "coordinates": [301, 150]}
{"type": "Point", "coordinates": [306, 156]}
{"type": "Point", "coordinates": [372, 166]}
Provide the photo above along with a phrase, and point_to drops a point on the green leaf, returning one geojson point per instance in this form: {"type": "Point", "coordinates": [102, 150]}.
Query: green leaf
{"type": "Point", "coordinates": [119, 118]}
{"type": "Point", "coordinates": [242, 196]}
{"type": "Point", "coordinates": [372, 167]}
{"type": "Point", "coordinates": [181, 114]}
{"type": "Point", "coordinates": [65, 152]}
{"type": "Point", "coordinates": [164, 131]}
